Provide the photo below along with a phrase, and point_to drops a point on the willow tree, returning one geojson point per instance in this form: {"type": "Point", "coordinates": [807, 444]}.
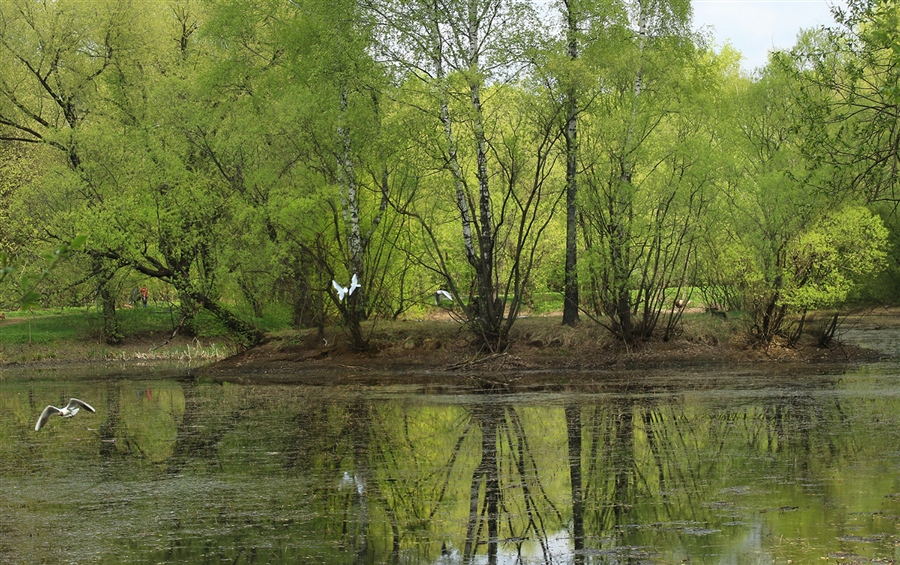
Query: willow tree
{"type": "Point", "coordinates": [114, 96]}
{"type": "Point", "coordinates": [649, 173]}
{"type": "Point", "coordinates": [456, 62]}
{"type": "Point", "coordinates": [846, 88]}
{"type": "Point", "coordinates": [785, 229]}
{"type": "Point", "coordinates": [55, 61]}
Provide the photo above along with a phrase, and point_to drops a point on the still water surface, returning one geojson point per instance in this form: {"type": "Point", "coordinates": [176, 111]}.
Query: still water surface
{"type": "Point", "coordinates": [699, 468]}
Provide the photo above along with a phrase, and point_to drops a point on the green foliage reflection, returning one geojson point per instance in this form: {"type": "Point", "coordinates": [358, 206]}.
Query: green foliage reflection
{"type": "Point", "coordinates": [203, 472]}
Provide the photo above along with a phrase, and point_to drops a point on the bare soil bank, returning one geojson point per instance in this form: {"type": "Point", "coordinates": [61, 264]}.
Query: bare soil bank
{"type": "Point", "coordinates": [542, 351]}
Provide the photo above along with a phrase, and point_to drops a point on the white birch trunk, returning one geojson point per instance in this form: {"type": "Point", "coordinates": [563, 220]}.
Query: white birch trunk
{"type": "Point", "coordinates": [349, 193]}
{"type": "Point", "coordinates": [462, 200]}
{"type": "Point", "coordinates": [486, 236]}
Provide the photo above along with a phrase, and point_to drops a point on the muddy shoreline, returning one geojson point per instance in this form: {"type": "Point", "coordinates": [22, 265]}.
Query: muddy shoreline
{"type": "Point", "coordinates": [428, 360]}
{"type": "Point", "coordinates": [543, 354]}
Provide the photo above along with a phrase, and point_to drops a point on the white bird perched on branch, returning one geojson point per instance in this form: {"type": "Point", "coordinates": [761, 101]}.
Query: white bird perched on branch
{"type": "Point", "coordinates": [70, 410]}
{"type": "Point", "coordinates": [346, 291]}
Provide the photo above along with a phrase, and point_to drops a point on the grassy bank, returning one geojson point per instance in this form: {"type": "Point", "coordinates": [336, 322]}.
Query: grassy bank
{"type": "Point", "coordinates": [75, 334]}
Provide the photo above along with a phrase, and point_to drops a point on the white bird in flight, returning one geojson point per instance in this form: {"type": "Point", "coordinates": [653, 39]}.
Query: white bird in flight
{"type": "Point", "coordinates": [70, 410]}
{"type": "Point", "coordinates": [346, 291]}
{"type": "Point", "coordinates": [443, 293]}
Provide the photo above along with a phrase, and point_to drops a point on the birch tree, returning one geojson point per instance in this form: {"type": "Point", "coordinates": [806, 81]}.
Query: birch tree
{"type": "Point", "coordinates": [454, 59]}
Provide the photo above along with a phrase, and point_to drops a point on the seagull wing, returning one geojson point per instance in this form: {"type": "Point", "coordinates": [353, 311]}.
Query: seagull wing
{"type": "Point", "coordinates": [340, 290]}
{"type": "Point", "coordinates": [354, 284]}
{"type": "Point", "coordinates": [74, 403]}
{"type": "Point", "coordinates": [48, 411]}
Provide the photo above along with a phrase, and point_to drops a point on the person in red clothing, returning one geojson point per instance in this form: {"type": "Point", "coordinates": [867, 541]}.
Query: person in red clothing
{"type": "Point", "coordinates": [144, 294]}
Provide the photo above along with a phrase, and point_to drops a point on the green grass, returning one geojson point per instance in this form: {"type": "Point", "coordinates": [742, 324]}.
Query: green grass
{"type": "Point", "coordinates": [80, 324]}
{"type": "Point", "coordinates": [65, 324]}
{"type": "Point", "coordinates": [57, 324]}
{"type": "Point", "coordinates": [544, 302]}
{"type": "Point", "coordinates": [43, 328]}
{"type": "Point", "coordinates": [74, 334]}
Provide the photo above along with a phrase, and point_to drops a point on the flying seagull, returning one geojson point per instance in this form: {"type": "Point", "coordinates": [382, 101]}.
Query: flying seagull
{"type": "Point", "coordinates": [354, 284]}
{"type": "Point", "coordinates": [345, 291]}
{"type": "Point", "coordinates": [441, 293]}
{"type": "Point", "coordinates": [70, 410]}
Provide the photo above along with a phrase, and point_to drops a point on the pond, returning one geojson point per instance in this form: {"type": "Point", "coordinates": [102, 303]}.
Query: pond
{"type": "Point", "coordinates": [693, 467]}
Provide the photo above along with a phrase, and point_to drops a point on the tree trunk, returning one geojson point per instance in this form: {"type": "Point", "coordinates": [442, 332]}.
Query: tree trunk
{"type": "Point", "coordinates": [110, 322]}
{"type": "Point", "coordinates": [772, 314]}
{"type": "Point", "coordinates": [570, 297]}
{"type": "Point", "coordinates": [491, 306]}
{"type": "Point", "coordinates": [247, 335]}
{"type": "Point", "coordinates": [308, 304]}
{"type": "Point", "coordinates": [462, 201]}
{"type": "Point", "coordinates": [187, 310]}
{"type": "Point", "coordinates": [111, 332]}
{"type": "Point", "coordinates": [251, 296]}
{"type": "Point", "coordinates": [354, 312]}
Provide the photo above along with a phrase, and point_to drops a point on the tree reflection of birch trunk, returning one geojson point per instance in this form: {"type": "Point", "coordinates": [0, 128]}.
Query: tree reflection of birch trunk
{"type": "Point", "coordinates": [624, 444]}
{"type": "Point", "coordinates": [595, 479]}
{"type": "Point", "coordinates": [361, 432]}
{"type": "Point", "coordinates": [607, 482]}
{"type": "Point", "coordinates": [369, 452]}
{"type": "Point", "coordinates": [573, 432]}
{"type": "Point", "coordinates": [448, 470]}
{"type": "Point", "coordinates": [521, 454]}
{"type": "Point", "coordinates": [655, 443]}
{"type": "Point", "coordinates": [491, 488]}
{"type": "Point", "coordinates": [685, 450]}
{"type": "Point", "coordinates": [506, 464]}
{"type": "Point", "coordinates": [488, 472]}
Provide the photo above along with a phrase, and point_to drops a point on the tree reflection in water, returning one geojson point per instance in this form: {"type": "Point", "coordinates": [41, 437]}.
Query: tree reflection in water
{"type": "Point", "coordinates": [507, 466]}
{"type": "Point", "coordinates": [424, 459]}
{"type": "Point", "coordinates": [211, 472]}
{"type": "Point", "coordinates": [617, 479]}
{"type": "Point", "coordinates": [573, 438]}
